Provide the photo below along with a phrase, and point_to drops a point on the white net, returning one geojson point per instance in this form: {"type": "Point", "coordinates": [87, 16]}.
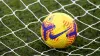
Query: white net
{"type": "Point", "coordinates": [32, 43]}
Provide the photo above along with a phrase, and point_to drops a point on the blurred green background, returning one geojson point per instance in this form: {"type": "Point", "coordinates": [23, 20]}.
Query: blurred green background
{"type": "Point", "coordinates": [26, 17]}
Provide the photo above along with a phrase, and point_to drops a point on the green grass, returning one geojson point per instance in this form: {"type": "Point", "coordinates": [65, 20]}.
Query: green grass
{"type": "Point", "coordinates": [27, 36]}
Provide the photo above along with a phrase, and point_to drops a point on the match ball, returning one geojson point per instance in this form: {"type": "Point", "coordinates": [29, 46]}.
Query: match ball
{"type": "Point", "coordinates": [58, 30]}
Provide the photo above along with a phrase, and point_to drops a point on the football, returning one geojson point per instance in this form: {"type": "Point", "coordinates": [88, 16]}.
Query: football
{"type": "Point", "coordinates": [58, 30]}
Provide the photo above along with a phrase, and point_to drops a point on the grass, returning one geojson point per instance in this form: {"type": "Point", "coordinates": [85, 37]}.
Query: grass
{"type": "Point", "coordinates": [27, 36]}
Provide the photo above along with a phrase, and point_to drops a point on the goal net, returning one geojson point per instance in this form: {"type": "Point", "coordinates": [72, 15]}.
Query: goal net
{"type": "Point", "coordinates": [20, 22]}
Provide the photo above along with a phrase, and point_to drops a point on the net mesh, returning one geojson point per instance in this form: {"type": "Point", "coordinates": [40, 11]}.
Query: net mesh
{"type": "Point", "coordinates": [24, 26]}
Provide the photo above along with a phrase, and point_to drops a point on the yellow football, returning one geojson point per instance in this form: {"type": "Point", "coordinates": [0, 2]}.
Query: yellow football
{"type": "Point", "coordinates": [58, 30]}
